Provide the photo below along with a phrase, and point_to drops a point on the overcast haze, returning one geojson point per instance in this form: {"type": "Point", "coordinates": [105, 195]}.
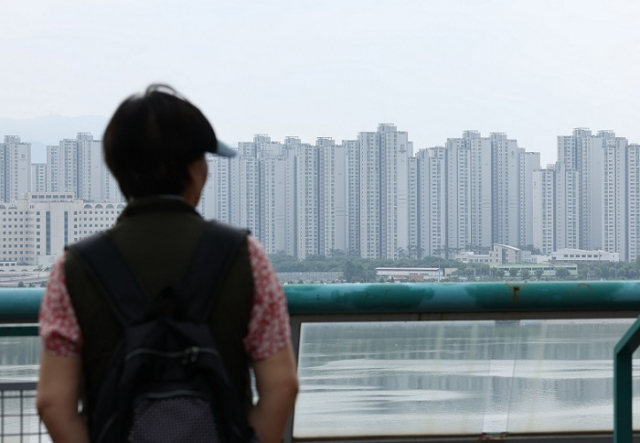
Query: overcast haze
{"type": "Point", "coordinates": [533, 69]}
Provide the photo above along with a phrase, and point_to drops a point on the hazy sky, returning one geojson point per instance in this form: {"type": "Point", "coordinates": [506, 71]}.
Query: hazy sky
{"type": "Point", "coordinates": [534, 69]}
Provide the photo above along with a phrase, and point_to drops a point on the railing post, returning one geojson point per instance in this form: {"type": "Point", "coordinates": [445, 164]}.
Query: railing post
{"type": "Point", "coordinates": [622, 398]}
{"type": "Point", "coordinates": [623, 384]}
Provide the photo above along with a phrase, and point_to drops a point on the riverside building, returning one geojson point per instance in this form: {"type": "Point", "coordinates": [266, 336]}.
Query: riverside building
{"type": "Point", "coordinates": [36, 229]}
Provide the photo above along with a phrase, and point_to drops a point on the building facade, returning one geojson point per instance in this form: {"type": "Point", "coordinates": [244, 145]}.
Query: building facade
{"type": "Point", "coordinates": [36, 229]}
{"type": "Point", "coordinates": [15, 168]}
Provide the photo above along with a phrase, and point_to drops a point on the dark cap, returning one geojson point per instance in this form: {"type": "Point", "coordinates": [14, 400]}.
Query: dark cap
{"type": "Point", "coordinates": [223, 150]}
{"type": "Point", "coordinates": [205, 133]}
{"type": "Point", "coordinates": [153, 137]}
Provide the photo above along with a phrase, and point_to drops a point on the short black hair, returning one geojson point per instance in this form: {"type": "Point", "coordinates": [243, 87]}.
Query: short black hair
{"type": "Point", "coordinates": [151, 139]}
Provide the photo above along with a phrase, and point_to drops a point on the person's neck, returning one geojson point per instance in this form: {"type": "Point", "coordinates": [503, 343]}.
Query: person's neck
{"type": "Point", "coordinates": [191, 196]}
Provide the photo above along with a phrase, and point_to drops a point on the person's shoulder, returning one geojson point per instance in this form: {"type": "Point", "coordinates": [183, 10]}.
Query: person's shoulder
{"type": "Point", "coordinates": [217, 224]}
{"type": "Point", "coordinates": [227, 228]}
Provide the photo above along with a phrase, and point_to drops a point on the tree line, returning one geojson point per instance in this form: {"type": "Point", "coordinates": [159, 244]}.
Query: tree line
{"type": "Point", "coordinates": [356, 269]}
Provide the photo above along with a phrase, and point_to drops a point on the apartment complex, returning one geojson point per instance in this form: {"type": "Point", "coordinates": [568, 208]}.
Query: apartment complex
{"type": "Point", "coordinates": [73, 166]}
{"type": "Point", "coordinates": [76, 165]}
{"type": "Point", "coordinates": [372, 197]}
{"type": "Point", "coordinates": [589, 199]}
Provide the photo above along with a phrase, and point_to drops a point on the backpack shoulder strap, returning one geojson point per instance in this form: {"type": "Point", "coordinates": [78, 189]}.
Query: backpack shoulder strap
{"type": "Point", "coordinates": [214, 254]}
{"type": "Point", "coordinates": [114, 277]}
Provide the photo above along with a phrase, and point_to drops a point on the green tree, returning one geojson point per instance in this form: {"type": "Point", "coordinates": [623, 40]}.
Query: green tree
{"type": "Point", "coordinates": [414, 252]}
{"type": "Point", "coordinates": [498, 273]}
{"type": "Point", "coordinates": [483, 270]}
{"type": "Point", "coordinates": [538, 273]}
{"type": "Point", "coordinates": [470, 272]}
{"type": "Point", "coordinates": [401, 253]}
{"type": "Point", "coordinates": [526, 274]}
{"type": "Point", "coordinates": [21, 284]}
{"type": "Point", "coordinates": [583, 272]}
{"type": "Point", "coordinates": [349, 271]}
{"type": "Point", "coordinates": [358, 272]}
{"type": "Point", "coordinates": [532, 249]}
{"type": "Point", "coordinates": [458, 273]}
{"type": "Point", "coordinates": [596, 272]}
{"type": "Point", "coordinates": [513, 272]}
{"type": "Point", "coordinates": [562, 273]}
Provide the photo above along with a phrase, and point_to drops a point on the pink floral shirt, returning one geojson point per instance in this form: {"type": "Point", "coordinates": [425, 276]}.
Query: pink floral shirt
{"type": "Point", "coordinates": [268, 329]}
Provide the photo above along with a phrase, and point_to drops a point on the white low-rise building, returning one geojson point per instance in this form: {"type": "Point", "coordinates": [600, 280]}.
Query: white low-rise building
{"type": "Point", "coordinates": [574, 255]}
{"type": "Point", "coordinates": [506, 254]}
{"type": "Point", "coordinates": [499, 255]}
{"type": "Point", "coordinates": [410, 274]}
{"type": "Point", "coordinates": [470, 257]}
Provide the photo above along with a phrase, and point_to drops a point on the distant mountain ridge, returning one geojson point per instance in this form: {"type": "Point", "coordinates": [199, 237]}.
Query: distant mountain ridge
{"type": "Point", "coordinates": [49, 130]}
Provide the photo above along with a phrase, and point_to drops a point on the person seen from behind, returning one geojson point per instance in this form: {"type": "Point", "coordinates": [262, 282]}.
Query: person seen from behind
{"type": "Point", "coordinates": [96, 330]}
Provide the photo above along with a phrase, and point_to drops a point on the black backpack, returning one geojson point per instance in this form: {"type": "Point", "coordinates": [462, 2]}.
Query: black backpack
{"type": "Point", "coordinates": [166, 381]}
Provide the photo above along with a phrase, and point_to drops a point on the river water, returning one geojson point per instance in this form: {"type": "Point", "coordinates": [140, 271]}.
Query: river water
{"type": "Point", "coordinates": [458, 377]}
{"type": "Point", "coordinates": [438, 378]}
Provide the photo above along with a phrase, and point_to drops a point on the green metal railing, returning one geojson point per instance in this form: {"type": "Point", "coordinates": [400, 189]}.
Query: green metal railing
{"type": "Point", "coordinates": [21, 305]}
{"type": "Point", "coordinates": [344, 302]}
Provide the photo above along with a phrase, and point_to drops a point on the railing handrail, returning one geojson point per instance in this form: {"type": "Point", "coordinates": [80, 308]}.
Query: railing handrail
{"type": "Point", "coordinates": [22, 304]}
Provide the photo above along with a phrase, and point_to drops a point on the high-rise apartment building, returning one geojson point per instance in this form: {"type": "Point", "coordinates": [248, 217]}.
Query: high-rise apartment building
{"type": "Point", "coordinates": [308, 195]}
{"type": "Point", "coordinates": [458, 200]}
{"type": "Point", "coordinates": [555, 208]}
{"type": "Point", "coordinates": [38, 177]}
{"type": "Point", "coordinates": [334, 201]}
{"type": "Point", "coordinates": [413, 178]}
{"type": "Point", "coordinates": [216, 199]}
{"type": "Point", "coordinates": [354, 195]}
{"type": "Point", "coordinates": [543, 211]}
{"type": "Point", "coordinates": [615, 195]}
{"type": "Point", "coordinates": [567, 203]}
{"type": "Point", "coordinates": [247, 181]}
{"type": "Point", "coordinates": [506, 189]}
{"type": "Point", "coordinates": [469, 193]}
{"type": "Point", "coordinates": [15, 168]}
{"type": "Point", "coordinates": [384, 198]}
{"type": "Point", "coordinates": [633, 202]}
{"type": "Point", "coordinates": [529, 162]}
{"type": "Point", "coordinates": [91, 169]}
{"type": "Point", "coordinates": [370, 195]}
{"type": "Point", "coordinates": [432, 201]}
{"type": "Point", "coordinates": [278, 202]}
{"type": "Point", "coordinates": [62, 166]}
{"type": "Point", "coordinates": [583, 152]}
{"type": "Point", "coordinates": [76, 165]}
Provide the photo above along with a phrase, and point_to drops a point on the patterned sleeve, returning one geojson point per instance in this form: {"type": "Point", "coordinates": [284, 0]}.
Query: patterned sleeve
{"type": "Point", "coordinates": [59, 329]}
{"type": "Point", "coordinates": [269, 329]}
